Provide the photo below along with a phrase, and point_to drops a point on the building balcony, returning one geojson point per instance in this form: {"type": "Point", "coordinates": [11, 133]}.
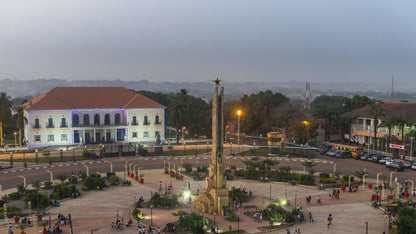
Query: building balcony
{"type": "Point", "coordinates": [134, 123]}
{"type": "Point", "coordinates": [50, 125]}
{"type": "Point", "coordinates": [146, 123]}
{"type": "Point", "coordinates": [36, 126]}
{"type": "Point", "coordinates": [98, 125]}
{"type": "Point", "coordinates": [64, 125]}
{"type": "Point", "coordinates": [158, 123]}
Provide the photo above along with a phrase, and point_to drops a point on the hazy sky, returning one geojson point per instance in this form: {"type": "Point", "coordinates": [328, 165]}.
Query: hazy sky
{"type": "Point", "coordinates": [193, 40]}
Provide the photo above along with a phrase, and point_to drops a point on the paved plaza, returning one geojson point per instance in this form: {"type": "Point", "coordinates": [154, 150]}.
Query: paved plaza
{"type": "Point", "coordinates": [96, 210]}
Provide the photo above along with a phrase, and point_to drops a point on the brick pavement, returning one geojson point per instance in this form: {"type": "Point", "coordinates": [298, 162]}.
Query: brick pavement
{"type": "Point", "coordinates": [96, 209]}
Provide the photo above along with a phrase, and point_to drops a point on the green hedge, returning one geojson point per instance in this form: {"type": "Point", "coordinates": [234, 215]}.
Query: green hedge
{"type": "Point", "coordinates": [305, 179]}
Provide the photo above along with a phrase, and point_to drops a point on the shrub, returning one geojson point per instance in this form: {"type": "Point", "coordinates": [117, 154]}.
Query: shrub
{"type": "Point", "coordinates": [14, 196]}
{"type": "Point", "coordinates": [87, 154]}
{"type": "Point", "coordinates": [109, 174]}
{"type": "Point", "coordinates": [237, 194]}
{"type": "Point", "coordinates": [307, 179]}
{"type": "Point", "coordinates": [37, 200]}
{"type": "Point", "coordinates": [94, 181]}
{"type": "Point", "coordinates": [252, 173]}
{"type": "Point", "coordinates": [48, 185]}
{"type": "Point", "coordinates": [73, 179]}
{"type": "Point", "coordinates": [180, 212]}
{"type": "Point", "coordinates": [11, 212]}
{"type": "Point", "coordinates": [84, 188]}
{"type": "Point", "coordinates": [239, 173]}
{"type": "Point", "coordinates": [188, 167]}
{"type": "Point", "coordinates": [345, 178]}
{"type": "Point", "coordinates": [202, 169]}
{"type": "Point", "coordinates": [194, 221]}
{"type": "Point", "coordinates": [232, 217]}
{"type": "Point", "coordinates": [113, 180]}
{"type": "Point", "coordinates": [283, 174]}
{"type": "Point", "coordinates": [327, 180]}
{"type": "Point", "coordinates": [165, 200]}
{"type": "Point", "coordinates": [61, 191]}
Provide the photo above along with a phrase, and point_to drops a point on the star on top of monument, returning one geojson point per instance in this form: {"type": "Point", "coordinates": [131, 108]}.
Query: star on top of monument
{"type": "Point", "coordinates": [217, 81]}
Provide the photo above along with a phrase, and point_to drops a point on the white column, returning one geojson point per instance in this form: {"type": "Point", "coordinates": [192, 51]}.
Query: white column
{"type": "Point", "coordinates": [105, 135]}
{"type": "Point", "coordinates": [94, 136]}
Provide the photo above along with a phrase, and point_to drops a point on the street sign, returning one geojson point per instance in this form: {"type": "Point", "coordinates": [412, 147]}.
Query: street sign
{"type": "Point", "coordinates": [396, 146]}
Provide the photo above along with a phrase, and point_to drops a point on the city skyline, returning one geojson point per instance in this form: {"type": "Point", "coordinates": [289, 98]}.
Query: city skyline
{"type": "Point", "coordinates": [319, 41]}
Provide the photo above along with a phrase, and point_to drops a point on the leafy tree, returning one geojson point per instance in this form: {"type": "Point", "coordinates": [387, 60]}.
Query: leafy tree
{"type": "Point", "coordinates": [406, 221]}
{"type": "Point", "coordinates": [376, 111]}
{"type": "Point", "coordinates": [361, 174]}
{"type": "Point", "coordinates": [62, 177]}
{"type": "Point", "coordinates": [403, 120]}
{"type": "Point", "coordinates": [5, 113]}
{"type": "Point", "coordinates": [309, 165]}
{"type": "Point", "coordinates": [20, 120]}
{"type": "Point", "coordinates": [195, 222]}
{"type": "Point", "coordinates": [388, 123]}
{"type": "Point", "coordinates": [38, 201]}
{"type": "Point", "coordinates": [36, 184]}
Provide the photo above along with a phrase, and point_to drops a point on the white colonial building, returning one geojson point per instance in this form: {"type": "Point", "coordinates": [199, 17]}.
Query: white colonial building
{"type": "Point", "coordinates": [83, 115]}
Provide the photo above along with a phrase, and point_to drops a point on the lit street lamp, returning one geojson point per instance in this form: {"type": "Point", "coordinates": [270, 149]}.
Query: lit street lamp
{"type": "Point", "coordinates": [366, 225]}
{"type": "Point", "coordinates": [183, 138]}
{"type": "Point", "coordinates": [15, 141]}
{"type": "Point", "coordinates": [238, 222]}
{"type": "Point", "coordinates": [238, 136]}
{"type": "Point", "coordinates": [214, 213]}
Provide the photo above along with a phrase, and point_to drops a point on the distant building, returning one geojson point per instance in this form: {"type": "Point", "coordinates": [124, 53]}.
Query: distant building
{"type": "Point", "coordinates": [87, 115]}
{"type": "Point", "coordinates": [362, 129]}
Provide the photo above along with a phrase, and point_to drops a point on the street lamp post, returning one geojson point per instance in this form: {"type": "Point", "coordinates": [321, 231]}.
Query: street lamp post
{"type": "Point", "coordinates": [411, 147]}
{"type": "Point", "coordinates": [15, 141]}
{"type": "Point", "coordinates": [270, 217]}
{"type": "Point", "coordinates": [183, 138]}
{"type": "Point", "coordinates": [214, 213]}
{"type": "Point", "coordinates": [151, 215]}
{"type": "Point", "coordinates": [366, 225]}
{"type": "Point", "coordinates": [286, 193]}
{"type": "Point", "coordinates": [238, 222]}
{"type": "Point", "coordinates": [11, 159]}
{"type": "Point", "coordinates": [238, 136]}
{"type": "Point", "coordinates": [270, 192]}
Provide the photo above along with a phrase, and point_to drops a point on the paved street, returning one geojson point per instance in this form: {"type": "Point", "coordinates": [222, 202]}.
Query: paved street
{"type": "Point", "coordinates": [9, 177]}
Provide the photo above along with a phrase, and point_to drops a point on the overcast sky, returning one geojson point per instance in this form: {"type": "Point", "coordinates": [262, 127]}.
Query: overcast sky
{"type": "Point", "coordinates": [198, 40]}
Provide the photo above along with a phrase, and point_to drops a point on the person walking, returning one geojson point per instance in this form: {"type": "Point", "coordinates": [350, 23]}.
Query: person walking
{"type": "Point", "coordinates": [310, 217]}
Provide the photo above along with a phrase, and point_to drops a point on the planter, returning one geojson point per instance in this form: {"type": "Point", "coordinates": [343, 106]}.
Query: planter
{"type": "Point", "coordinates": [376, 198]}
{"type": "Point", "coordinates": [141, 181]}
{"type": "Point", "coordinates": [136, 178]}
{"type": "Point", "coordinates": [370, 186]}
{"type": "Point", "coordinates": [128, 173]}
{"type": "Point", "coordinates": [343, 188]}
{"type": "Point", "coordinates": [406, 195]}
{"type": "Point", "coordinates": [131, 175]}
{"type": "Point", "coordinates": [181, 177]}
{"type": "Point", "coordinates": [390, 197]}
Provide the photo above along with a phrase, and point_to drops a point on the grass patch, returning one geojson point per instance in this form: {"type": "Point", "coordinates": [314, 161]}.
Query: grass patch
{"type": "Point", "coordinates": [42, 159]}
{"type": "Point", "coordinates": [182, 152]}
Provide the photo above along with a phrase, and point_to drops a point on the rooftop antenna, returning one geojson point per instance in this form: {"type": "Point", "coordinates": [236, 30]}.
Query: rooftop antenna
{"type": "Point", "coordinates": [392, 87]}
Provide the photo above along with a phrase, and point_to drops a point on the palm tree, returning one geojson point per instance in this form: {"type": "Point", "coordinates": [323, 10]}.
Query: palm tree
{"type": "Point", "coordinates": [5, 113]}
{"type": "Point", "coordinates": [21, 120]}
{"type": "Point", "coordinates": [36, 184]}
{"type": "Point", "coordinates": [388, 123]}
{"type": "Point", "coordinates": [376, 111]}
{"type": "Point", "coordinates": [402, 121]}
{"type": "Point", "coordinates": [62, 177]}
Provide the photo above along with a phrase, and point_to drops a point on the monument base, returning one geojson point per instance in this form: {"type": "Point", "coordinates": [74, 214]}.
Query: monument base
{"type": "Point", "coordinates": [213, 201]}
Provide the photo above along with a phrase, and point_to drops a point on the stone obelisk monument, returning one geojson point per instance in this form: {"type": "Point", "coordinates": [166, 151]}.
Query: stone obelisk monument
{"type": "Point", "coordinates": [215, 196]}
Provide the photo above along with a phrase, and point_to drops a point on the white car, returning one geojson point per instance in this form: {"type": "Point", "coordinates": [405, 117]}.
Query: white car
{"type": "Point", "coordinates": [389, 161]}
{"type": "Point", "coordinates": [413, 166]}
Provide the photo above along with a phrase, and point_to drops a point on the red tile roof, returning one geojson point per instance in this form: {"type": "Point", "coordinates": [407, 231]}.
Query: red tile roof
{"type": "Point", "coordinates": [67, 98]}
{"type": "Point", "coordinates": [391, 109]}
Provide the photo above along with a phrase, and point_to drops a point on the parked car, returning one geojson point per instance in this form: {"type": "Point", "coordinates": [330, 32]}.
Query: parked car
{"type": "Point", "coordinates": [376, 158]}
{"type": "Point", "coordinates": [413, 166]}
{"type": "Point", "coordinates": [396, 166]}
{"type": "Point", "coordinates": [324, 150]}
{"type": "Point", "coordinates": [389, 161]}
{"type": "Point", "coordinates": [365, 156]}
{"type": "Point", "coordinates": [332, 153]}
{"type": "Point", "coordinates": [343, 154]}
{"type": "Point", "coordinates": [383, 160]}
{"type": "Point", "coordinates": [357, 156]}
{"type": "Point", "coordinates": [407, 164]}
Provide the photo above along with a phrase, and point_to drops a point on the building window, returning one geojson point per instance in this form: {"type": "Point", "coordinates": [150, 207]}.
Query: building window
{"type": "Point", "coordinates": [86, 120]}
{"type": "Point", "coordinates": [146, 134]}
{"type": "Point", "coordinates": [96, 119]}
{"type": "Point", "coordinates": [134, 135]}
{"type": "Point", "coordinates": [146, 120]}
{"type": "Point", "coordinates": [117, 119]}
{"type": "Point", "coordinates": [37, 126]}
{"type": "Point", "coordinates": [368, 122]}
{"type": "Point", "coordinates": [157, 133]}
{"type": "Point", "coordinates": [63, 123]}
{"type": "Point", "coordinates": [75, 120]}
{"type": "Point", "coordinates": [107, 119]}
{"type": "Point", "coordinates": [50, 123]}
{"type": "Point", "coordinates": [50, 138]}
{"type": "Point", "coordinates": [157, 121]}
{"type": "Point", "coordinates": [360, 121]}
{"type": "Point", "coordinates": [37, 138]}
{"type": "Point", "coordinates": [64, 137]}
{"type": "Point", "coordinates": [134, 121]}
